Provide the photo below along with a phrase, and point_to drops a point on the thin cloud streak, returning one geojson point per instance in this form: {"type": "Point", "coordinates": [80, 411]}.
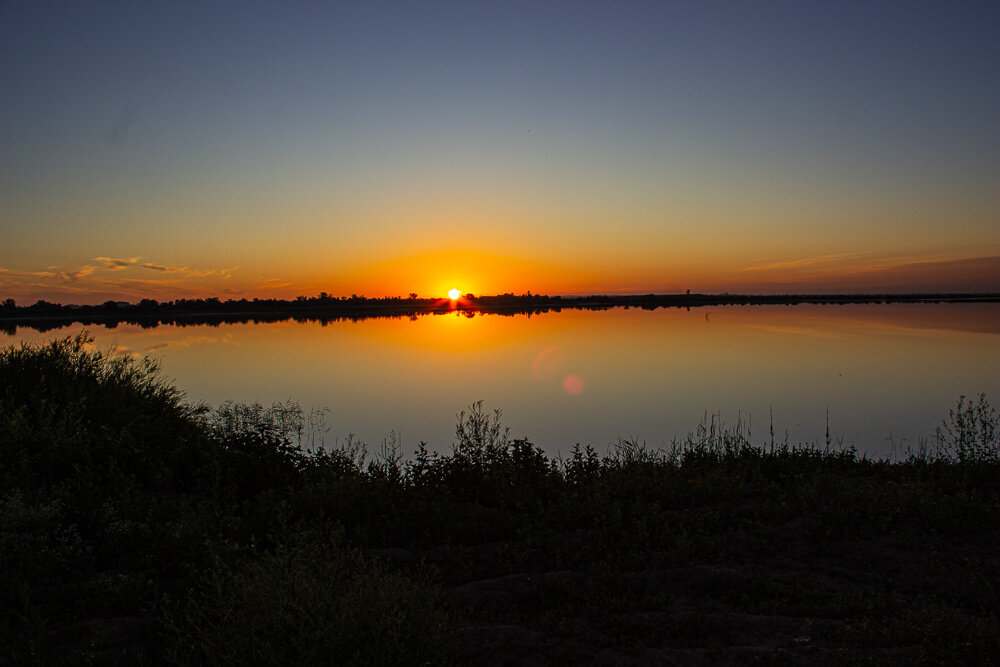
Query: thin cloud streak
{"type": "Point", "coordinates": [116, 264]}
{"type": "Point", "coordinates": [114, 280]}
{"type": "Point", "coordinates": [973, 274]}
{"type": "Point", "coordinates": [82, 272]}
{"type": "Point", "coordinates": [188, 272]}
{"type": "Point", "coordinates": [164, 269]}
{"type": "Point", "coordinates": [808, 261]}
{"type": "Point", "coordinates": [51, 273]}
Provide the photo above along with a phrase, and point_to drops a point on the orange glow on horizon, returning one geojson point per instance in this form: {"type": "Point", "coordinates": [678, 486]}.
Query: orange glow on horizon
{"type": "Point", "coordinates": [437, 273]}
{"type": "Point", "coordinates": [434, 274]}
{"type": "Point", "coordinates": [479, 273]}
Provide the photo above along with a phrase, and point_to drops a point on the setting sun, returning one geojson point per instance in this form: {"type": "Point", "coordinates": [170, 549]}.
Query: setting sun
{"type": "Point", "coordinates": [454, 293]}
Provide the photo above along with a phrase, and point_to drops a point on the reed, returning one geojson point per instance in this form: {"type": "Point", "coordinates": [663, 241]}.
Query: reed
{"type": "Point", "coordinates": [137, 527]}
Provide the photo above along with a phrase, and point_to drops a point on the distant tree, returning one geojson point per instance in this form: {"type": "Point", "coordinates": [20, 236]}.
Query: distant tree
{"type": "Point", "coordinates": [413, 295]}
{"type": "Point", "coordinates": [9, 304]}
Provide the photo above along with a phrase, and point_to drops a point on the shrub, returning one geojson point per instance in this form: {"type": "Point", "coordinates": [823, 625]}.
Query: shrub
{"type": "Point", "coordinates": [102, 420]}
{"type": "Point", "coordinates": [970, 434]}
{"type": "Point", "coordinates": [305, 603]}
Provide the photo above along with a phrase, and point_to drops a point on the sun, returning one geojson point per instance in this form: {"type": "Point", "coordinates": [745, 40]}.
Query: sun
{"type": "Point", "coordinates": [454, 293]}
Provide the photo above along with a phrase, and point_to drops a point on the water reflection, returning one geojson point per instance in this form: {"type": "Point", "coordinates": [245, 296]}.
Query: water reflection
{"type": "Point", "coordinates": [594, 376]}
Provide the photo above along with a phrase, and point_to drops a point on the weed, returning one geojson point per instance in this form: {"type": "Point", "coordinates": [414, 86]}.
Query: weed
{"type": "Point", "coordinates": [971, 433]}
{"type": "Point", "coordinates": [240, 535]}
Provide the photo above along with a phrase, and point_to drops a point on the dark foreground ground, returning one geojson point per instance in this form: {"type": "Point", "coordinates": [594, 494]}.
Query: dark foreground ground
{"type": "Point", "coordinates": [137, 528]}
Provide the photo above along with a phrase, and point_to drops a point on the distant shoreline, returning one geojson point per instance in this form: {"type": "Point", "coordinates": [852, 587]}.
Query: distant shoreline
{"type": "Point", "coordinates": [44, 316]}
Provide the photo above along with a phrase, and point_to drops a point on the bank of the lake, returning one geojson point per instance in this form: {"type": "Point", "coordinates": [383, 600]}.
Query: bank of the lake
{"type": "Point", "coordinates": [137, 526]}
{"type": "Point", "coordinates": [875, 375]}
{"type": "Point", "coordinates": [324, 308]}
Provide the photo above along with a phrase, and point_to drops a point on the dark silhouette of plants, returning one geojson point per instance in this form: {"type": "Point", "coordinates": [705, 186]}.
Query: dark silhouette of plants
{"type": "Point", "coordinates": [307, 602]}
{"type": "Point", "coordinates": [43, 315]}
{"type": "Point", "coordinates": [137, 528]}
{"type": "Point", "coordinates": [480, 437]}
{"type": "Point", "coordinates": [971, 433]}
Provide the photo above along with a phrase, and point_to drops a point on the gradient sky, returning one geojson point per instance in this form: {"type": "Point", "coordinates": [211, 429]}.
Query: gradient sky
{"type": "Point", "coordinates": [175, 149]}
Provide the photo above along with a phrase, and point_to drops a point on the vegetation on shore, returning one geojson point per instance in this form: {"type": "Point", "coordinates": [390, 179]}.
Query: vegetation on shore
{"type": "Point", "coordinates": [137, 527]}
{"type": "Point", "coordinates": [43, 315]}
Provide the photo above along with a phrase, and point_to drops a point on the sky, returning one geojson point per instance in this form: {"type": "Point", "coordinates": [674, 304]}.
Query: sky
{"type": "Point", "coordinates": [271, 149]}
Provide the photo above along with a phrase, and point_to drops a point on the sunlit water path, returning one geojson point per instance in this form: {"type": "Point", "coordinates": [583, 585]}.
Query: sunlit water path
{"type": "Point", "coordinates": [887, 373]}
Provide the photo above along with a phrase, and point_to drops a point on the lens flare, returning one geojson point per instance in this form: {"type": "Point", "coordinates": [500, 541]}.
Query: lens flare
{"type": "Point", "coordinates": [548, 363]}
{"type": "Point", "coordinates": [573, 385]}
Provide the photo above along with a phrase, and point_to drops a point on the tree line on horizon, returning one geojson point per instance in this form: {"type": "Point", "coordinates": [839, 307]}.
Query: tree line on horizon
{"type": "Point", "coordinates": [327, 308]}
{"type": "Point", "coordinates": [213, 304]}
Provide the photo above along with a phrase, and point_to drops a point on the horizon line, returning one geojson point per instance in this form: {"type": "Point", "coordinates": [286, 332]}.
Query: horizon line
{"type": "Point", "coordinates": [472, 298]}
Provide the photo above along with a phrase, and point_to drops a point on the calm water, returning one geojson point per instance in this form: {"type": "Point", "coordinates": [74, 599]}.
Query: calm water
{"type": "Point", "coordinates": [593, 377]}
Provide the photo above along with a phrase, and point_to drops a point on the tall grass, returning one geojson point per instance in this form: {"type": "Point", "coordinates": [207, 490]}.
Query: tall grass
{"type": "Point", "coordinates": [307, 602]}
{"type": "Point", "coordinates": [971, 433]}
{"type": "Point", "coordinates": [239, 534]}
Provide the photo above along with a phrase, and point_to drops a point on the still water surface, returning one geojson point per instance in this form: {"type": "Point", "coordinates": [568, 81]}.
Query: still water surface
{"type": "Point", "coordinates": [887, 373]}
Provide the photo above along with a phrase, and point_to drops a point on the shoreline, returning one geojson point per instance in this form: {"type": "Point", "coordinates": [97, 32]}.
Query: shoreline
{"type": "Point", "coordinates": [328, 309]}
{"type": "Point", "coordinates": [141, 528]}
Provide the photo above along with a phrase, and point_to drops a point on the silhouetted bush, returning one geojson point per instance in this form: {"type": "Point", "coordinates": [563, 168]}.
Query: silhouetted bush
{"type": "Point", "coordinates": [309, 602]}
{"type": "Point", "coordinates": [137, 527]}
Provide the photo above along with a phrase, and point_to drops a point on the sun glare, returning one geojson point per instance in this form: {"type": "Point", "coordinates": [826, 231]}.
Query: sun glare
{"type": "Point", "coordinates": [454, 293]}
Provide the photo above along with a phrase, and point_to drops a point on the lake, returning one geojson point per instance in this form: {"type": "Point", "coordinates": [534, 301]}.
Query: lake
{"type": "Point", "coordinates": [887, 374]}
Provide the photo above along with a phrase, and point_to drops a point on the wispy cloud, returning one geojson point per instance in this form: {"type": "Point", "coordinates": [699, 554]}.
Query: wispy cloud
{"type": "Point", "coordinates": [73, 276]}
{"type": "Point", "coordinates": [116, 264]}
{"type": "Point", "coordinates": [164, 269]}
{"type": "Point", "coordinates": [272, 284]}
{"type": "Point", "coordinates": [52, 273]}
{"type": "Point", "coordinates": [188, 272]}
{"type": "Point", "coordinates": [20, 274]}
{"type": "Point", "coordinates": [805, 261]}
{"type": "Point", "coordinates": [882, 274]}
{"type": "Point", "coordinates": [110, 277]}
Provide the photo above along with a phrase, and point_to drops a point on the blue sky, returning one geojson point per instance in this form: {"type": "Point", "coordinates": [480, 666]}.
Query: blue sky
{"type": "Point", "coordinates": [288, 148]}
